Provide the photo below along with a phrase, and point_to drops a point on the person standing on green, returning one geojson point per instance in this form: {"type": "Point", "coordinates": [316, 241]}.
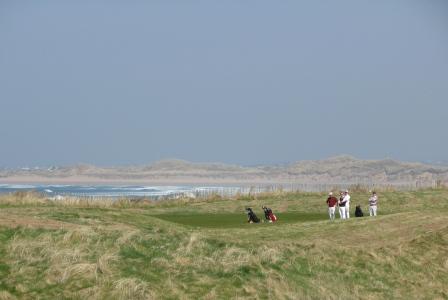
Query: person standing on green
{"type": "Point", "coordinates": [331, 202]}
{"type": "Point", "coordinates": [373, 202]}
{"type": "Point", "coordinates": [347, 204]}
{"type": "Point", "coordinates": [341, 205]}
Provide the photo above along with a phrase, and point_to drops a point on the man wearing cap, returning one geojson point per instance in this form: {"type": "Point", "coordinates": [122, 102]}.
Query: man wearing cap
{"type": "Point", "coordinates": [373, 202]}
{"type": "Point", "coordinates": [331, 201]}
{"type": "Point", "coordinates": [347, 204]}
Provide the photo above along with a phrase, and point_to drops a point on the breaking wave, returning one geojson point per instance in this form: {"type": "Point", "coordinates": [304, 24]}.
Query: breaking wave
{"type": "Point", "coordinates": [118, 191]}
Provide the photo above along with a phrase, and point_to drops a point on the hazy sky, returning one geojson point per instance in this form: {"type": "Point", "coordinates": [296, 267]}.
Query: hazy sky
{"type": "Point", "coordinates": [247, 82]}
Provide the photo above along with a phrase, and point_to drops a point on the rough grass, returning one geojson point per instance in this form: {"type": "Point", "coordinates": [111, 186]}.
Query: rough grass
{"type": "Point", "coordinates": [187, 249]}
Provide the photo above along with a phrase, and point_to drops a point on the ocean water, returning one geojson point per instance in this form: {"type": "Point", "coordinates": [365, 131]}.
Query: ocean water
{"type": "Point", "coordinates": [120, 191]}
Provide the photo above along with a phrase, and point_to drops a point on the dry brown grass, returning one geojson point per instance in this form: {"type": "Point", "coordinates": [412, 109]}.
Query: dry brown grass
{"type": "Point", "coordinates": [131, 288]}
{"type": "Point", "coordinates": [4, 295]}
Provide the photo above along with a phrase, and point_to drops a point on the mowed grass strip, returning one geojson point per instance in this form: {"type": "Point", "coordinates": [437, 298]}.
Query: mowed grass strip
{"type": "Point", "coordinates": [233, 220]}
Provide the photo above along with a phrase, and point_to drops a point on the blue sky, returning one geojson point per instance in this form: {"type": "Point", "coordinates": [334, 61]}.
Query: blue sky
{"type": "Point", "coordinates": [246, 82]}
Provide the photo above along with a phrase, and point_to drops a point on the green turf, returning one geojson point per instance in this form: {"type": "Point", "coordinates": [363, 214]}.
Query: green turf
{"type": "Point", "coordinates": [233, 220]}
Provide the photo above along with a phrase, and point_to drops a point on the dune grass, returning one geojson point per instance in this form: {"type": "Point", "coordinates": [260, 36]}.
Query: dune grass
{"type": "Point", "coordinates": [204, 249]}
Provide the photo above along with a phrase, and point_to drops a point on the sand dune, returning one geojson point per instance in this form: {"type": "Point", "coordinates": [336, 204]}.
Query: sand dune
{"type": "Point", "coordinates": [340, 169]}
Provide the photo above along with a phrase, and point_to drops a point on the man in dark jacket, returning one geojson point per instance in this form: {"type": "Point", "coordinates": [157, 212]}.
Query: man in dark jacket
{"type": "Point", "coordinates": [341, 204]}
{"type": "Point", "coordinates": [331, 202]}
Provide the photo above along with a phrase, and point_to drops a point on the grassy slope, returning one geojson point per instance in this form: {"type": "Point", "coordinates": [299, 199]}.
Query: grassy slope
{"type": "Point", "coordinates": [205, 250]}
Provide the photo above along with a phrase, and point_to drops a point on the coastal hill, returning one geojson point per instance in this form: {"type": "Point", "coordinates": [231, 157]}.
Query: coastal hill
{"type": "Point", "coordinates": [334, 170]}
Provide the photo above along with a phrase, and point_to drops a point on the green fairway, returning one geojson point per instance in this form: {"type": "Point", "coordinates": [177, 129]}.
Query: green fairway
{"type": "Point", "coordinates": [234, 220]}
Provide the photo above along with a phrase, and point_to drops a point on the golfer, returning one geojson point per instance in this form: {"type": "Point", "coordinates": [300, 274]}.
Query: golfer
{"type": "Point", "coordinates": [373, 202]}
{"type": "Point", "coordinates": [347, 204]}
{"type": "Point", "coordinates": [331, 201]}
{"type": "Point", "coordinates": [342, 207]}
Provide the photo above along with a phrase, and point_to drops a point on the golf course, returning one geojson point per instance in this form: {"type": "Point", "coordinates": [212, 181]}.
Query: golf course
{"type": "Point", "coordinates": [205, 249]}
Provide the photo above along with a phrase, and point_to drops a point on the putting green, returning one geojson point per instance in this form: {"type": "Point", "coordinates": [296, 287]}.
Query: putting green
{"type": "Point", "coordinates": [233, 220]}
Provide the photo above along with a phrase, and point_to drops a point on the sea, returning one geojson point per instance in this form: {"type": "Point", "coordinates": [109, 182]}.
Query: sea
{"type": "Point", "coordinates": [133, 191]}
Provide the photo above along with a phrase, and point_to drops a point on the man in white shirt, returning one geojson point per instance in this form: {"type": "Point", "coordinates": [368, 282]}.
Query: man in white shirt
{"type": "Point", "coordinates": [373, 202]}
{"type": "Point", "coordinates": [347, 204]}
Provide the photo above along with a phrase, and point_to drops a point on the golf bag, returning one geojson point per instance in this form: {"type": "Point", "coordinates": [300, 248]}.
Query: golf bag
{"type": "Point", "coordinates": [251, 216]}
{"type": "Point", "coordinates": [358, 211]}
{"type": "Point", "coordinates": [269, 215]}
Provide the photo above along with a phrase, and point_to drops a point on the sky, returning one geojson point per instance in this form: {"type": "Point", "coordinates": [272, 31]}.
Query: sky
{"type": "Point", "coordinates": [243, 82]}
